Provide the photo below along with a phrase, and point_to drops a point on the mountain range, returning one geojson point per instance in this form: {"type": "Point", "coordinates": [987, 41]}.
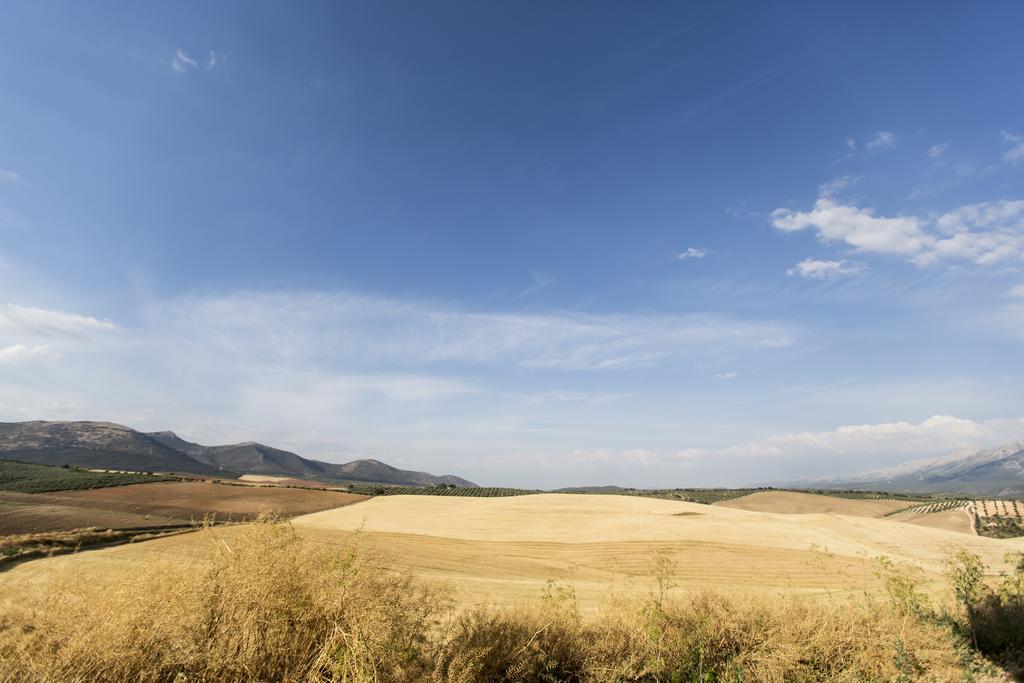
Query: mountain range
{"type": "Point", "coordinates": [989, 472]}
{"type": "Point", "coordinates": [105, 445]}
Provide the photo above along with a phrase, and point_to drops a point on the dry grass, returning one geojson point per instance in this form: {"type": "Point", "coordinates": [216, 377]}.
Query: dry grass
{"type": "Point", "coordinates": [272, 605]}
{"type": "Point", "coordinates": [707, 637]}
{"type": "Point", "coordinates": [20, 547]}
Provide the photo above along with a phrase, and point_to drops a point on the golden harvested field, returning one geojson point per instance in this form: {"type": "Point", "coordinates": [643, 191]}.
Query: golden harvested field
{"type": "Point", "coordinates": [505, 550]}
{"type": "Point", "coordinates": [155, 504]}
{"type": "Point", "coordinates": [501, 550]}
{"type": "Point", "coordinates": [957, 519]}
{"type": "Point", "coordinates": [792, 502]}
{"type": "Point", "coordinates": [272, 479]}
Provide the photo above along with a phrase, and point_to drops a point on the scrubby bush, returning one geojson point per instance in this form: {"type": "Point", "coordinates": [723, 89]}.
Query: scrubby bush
{"type": "Point", "coordinates": [993, 615]}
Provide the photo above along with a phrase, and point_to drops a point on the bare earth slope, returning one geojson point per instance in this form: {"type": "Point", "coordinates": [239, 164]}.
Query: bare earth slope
{"type": "Point", "coordinates": [156, 504]}
{"type": "Point", "coordinates": [795, 503]}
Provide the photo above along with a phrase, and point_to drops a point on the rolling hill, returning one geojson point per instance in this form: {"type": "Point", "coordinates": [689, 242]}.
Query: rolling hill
{"type": "Point", "coordinates": [96, 445]}
{"type": "Point", "coordinates": [991, 472]}
{"type": "Point", "coordinates": [104, 445]}
{"type": "Point", "coordinates": [255, 458]}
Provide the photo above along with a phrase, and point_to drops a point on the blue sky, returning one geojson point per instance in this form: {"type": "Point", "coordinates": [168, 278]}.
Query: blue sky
{"type": "Point", "coordinates": [530, 244]}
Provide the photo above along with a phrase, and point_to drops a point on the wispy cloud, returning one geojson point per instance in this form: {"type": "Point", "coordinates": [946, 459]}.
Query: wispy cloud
{"type": "Point", "coordinates": [26, 320]}
{"type": "Point", "coordinates": [1015, 153]}
{"type": "Point", "coordinates": [937, 434]}
{"type": "Point", "coordinates": [577, 459]}
{"type": "Point", "coordinates": [986, 234]}
{"type": "Point", "coordinates": [823, 270]}
{"type": "Point", "coordinates": [935, 152]}
{"type": "Point", "coordinates": [727, 375]}
{"type": "Point", "coordinates": [1016, 292]}
{"type": "Point", "coordinates": [19, 353]}
{"type": "Point", "coordinates": [691, 253]}
{"type": "Point", "coordinates": [880, 140]}
{"type": "Point", "coordinates": [836, 185]}
{"type": "Point", "coordinates": [540, 280]}
{"type": "Point", "coordinates": [10, 177]}
{"type": "Point", "coordinates": [182, 61]}
{"type": "Point", "coordinates": [340, 325]}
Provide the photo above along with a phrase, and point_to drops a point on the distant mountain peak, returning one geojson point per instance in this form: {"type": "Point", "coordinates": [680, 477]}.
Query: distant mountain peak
{"type": "Point", "coordinates": [109, 445]}
{"type": "Point", "coordinates": [252, 457]}
{"type": "Point", "coordinates": [986, 471]}
{"type": "Point", "coordinates": [101, 445]}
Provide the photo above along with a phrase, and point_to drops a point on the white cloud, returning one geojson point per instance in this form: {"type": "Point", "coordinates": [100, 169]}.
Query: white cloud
{"type": "Point", "coordinates": [857, 227]}
{"type": "Point", "coordinates": [18, 353]}
{"type": "Point", "coordinates": [691, 252]}
{"type": "Point", "coordinates": [182, 62]}
{"type": "Point", "coordinates": [1016, 151]}
{"type": "Point", "coordinates": [985, 233]}
{"type": "Point", "coordinates": [822, 270]}
{"type": "Point", "coordinates": [1016, 292]}
{"type": "Point", "coordinates": [339, 375]}
{"type": "Point", "coordinates": [317, 399]}
{"type": "Point", "coordinates": [726, 375]}
{"type": "Point", "coordinates": [935, 152]}
{"type": "Point", "coordinates": [638, 456]}
{"type": "Point", "coordinates": [880, 140]}
{"type": "Point", "coordinates": [988, 215]}
{"type": "Point", "coordinates": [25, 320]}
{"type": "Point", "coordinates": [937, 434]}
{"type": "Point", "coordinates": [603, 456]}
{"type": "Point", "coordinates": [9, 177]}
{"type": "Point", "coordinates": [345, 327]}
{"type": "Point", "coordinates": [851, 144]}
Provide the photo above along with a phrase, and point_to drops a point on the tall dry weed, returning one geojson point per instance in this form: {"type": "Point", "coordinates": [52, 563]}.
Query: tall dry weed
{"type": "Point", "coordinates": [272, 606]}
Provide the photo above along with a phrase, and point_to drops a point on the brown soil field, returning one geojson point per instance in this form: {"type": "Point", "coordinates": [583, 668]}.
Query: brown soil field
{"type": "Point", "coordinates": [155, 504]}
{"type": "Point", "coordinates": [794, 503]}
{"type": "Point", "coordinates": [27, 513]}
